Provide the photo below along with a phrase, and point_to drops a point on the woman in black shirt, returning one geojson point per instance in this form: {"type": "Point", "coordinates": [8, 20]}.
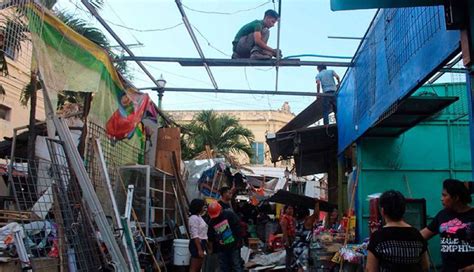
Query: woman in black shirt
{"type": "Point", "coordinates": [397, 246]}
{"type": "Point", "coordinates": [455, 226]}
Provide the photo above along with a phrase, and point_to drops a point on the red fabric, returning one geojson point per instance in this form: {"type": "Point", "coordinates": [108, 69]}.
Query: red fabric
{"type": "Point", "coordinates": [290, 222]}
{"type": "Point", "coordinates": [119, 127]}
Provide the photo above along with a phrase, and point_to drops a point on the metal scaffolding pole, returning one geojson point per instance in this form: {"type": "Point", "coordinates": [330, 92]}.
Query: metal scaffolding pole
{"type": "Point", "coordinates": [234, 62]}
{"type": "Point", "coordinates": [195, 41]}
{"type": "Point", "coordinates": [233, 91]}
{"type": "Point", "coordinates": [277, 67]}
{"type": "Point", "coordinates": [449, 65]}
{"type": "Point", "coordinates": [117, 38]}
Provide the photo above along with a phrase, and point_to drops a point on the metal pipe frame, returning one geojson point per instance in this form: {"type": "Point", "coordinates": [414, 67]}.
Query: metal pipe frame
{"type": "Point", "coordinates": [449, 65]}
{"type": "Point", "coordinates": [195, 41]}
{"type": "Point", "coordinates": [234, 91]}
{"type": "Point", "coordinates": [234, 62]}
{"type": "Point", "coordinates": [94, 12]}
{"type": "Point", "coordinates": [278, 57]}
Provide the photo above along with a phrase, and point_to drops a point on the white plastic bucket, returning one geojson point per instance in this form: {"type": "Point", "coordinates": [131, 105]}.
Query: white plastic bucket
{"type": "Point", "coordinates": [181, 252]}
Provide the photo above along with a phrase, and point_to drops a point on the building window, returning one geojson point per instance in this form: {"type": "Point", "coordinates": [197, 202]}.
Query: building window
{"type": "Point", "coordinates": [258, 153]}
{"type": "Point", "coordinates": [12, 33]}
{"type": "Point", "coordinates": [5, 112]}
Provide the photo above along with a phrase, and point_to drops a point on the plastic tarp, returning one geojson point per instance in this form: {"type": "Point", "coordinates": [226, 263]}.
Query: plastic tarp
{"type": "Point", "coordinates": [194, 170]}
{"type": "Point", "coordinates": [289, 198]}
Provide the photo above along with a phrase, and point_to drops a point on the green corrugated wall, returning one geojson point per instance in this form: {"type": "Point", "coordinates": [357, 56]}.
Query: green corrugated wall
{"type": "Point", "coordinates": [419, 160]}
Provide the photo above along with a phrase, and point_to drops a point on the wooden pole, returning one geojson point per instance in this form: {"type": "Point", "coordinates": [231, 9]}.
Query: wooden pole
{"type": "Point", "coordinates": [349, 215]}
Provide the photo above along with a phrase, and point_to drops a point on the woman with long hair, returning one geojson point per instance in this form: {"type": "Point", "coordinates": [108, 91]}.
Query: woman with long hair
{"type": "Point", "coordinates": [198, 234]}
{"type": "Point", "coordinates": [304, 228]}
{"type": "Point", "coordinates": [455, 226]}
{"type": "Point", "coordinates": [331, 220]}
{"type": "Point", "coordinates": [287, 224]}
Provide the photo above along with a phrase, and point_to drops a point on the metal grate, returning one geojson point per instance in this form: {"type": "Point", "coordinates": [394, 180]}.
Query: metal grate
{"type": "Point", "coordinates": [58, 227]}
{"type": "Point", "coordinates": [406, 31]}
{"type": "Point", "coordinates": [365, 78]}
{"type": "Point", "coordinates": [458, 88]}
{"type": "Point", "coordinates": [115, 154]}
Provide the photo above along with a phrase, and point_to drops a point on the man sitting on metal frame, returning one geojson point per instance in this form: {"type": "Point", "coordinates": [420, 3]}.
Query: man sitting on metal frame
{"type": "Point", "coordinates": [251, 40]}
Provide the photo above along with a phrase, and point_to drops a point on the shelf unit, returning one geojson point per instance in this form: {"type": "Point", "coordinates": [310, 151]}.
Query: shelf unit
{"type": "Point", "coordinates": [154, 200]}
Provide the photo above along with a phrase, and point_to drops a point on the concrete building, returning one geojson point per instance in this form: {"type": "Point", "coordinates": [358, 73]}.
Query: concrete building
{"type": "Point", "coordinates": [260, 122]}
{"type": "Point", "coordinates": [18, 63]}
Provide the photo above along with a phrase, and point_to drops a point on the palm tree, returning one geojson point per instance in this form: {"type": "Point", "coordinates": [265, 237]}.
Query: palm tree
{"type": "Point", "coordinates": [13, 33]}
{"type": "Point", "coordinates": [220, 135]}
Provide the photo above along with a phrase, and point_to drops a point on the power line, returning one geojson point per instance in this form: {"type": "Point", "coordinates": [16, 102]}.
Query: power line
{"type": "Point", "coordinates": [226, 13]}
{"type": "Point", "coordinates": [120, 19]}
{"type": "Point", "coordinates": [177, 75]}
{"type": "Point", "coordinates": [209, 43]}
{"type": "Point", "coordinates": [144, 30]}
{"type": "Point", "coordinates": [189, 28]}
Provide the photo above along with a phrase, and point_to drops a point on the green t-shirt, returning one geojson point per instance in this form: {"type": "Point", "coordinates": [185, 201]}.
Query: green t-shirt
{"type": "Point", "coordinates": [251, 27]}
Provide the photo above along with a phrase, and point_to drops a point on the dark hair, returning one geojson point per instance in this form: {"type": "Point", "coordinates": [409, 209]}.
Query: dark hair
{"type": "Point", "coordinates": [332, 208]}
{"type": "Point", "coordinates": [322, 67]}
{"type": "Point", "coordinates": [196, 205]}
{"type": "Point", "coordinates": [271, 13]}
{"type": "Point", "coordinates": [224, 190]}
{"type": "Point", "coordinates": [393, 204]}
{"type": "Point", "coordinates": [455, 188]}
{"type": "Point", "coordinates": [286, 207]}
{"type": "Point", "coordinates": [301, 213]}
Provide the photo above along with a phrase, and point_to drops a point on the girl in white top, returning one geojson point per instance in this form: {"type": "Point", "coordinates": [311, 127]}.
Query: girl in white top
{"type": "Point", "coordinates": [198, 233]}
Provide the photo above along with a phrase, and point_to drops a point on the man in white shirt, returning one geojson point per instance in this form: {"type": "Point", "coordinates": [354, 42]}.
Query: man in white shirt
{"type": "Point", "coordinates": [325, 80]}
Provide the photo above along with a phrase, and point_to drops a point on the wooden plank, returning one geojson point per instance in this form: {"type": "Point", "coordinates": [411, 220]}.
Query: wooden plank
{"type": "Point", "coordinates": [168, 141]}
{"type": "Point", "coordinates": [175, 163]}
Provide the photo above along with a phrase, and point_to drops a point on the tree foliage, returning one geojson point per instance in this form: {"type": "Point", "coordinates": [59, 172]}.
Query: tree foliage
{"type": "Point", "coordinates": [222, 133]}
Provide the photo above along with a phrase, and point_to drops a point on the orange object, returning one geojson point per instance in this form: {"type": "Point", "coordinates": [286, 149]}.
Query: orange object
{"type": "Point", "coordinates": [260, 191]}
{"type": "Point", "coordinates": [214, 209]}
{"type": "Point", "coordinates": [9, 239]}
{"type": "Point", "coordinates": [275, 242]}
{"type": "Point", "coordinates": [254, 201]}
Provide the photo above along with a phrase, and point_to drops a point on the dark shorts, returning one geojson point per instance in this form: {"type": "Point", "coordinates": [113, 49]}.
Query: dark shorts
{"type": "Point", "coordinates": [193, 249]}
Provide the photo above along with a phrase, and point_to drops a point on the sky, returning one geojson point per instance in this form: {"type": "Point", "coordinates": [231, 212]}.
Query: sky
{"type": "Point", "coordinates": [157, 24]}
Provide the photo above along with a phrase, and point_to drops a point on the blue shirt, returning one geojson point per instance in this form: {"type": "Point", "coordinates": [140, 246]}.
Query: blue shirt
{"type": "Point", "coordinates": [327, 80]}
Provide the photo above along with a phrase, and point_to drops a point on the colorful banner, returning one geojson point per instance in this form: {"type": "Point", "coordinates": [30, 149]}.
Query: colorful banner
{"type": "Point", "coordinates": [69, 61]}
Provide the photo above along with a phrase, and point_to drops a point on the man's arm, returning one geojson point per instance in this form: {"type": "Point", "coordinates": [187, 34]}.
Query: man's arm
{"type": "Point", "coordinates": [427, 234]}
{"type": "Point", "coordinates": [257, 36]}
{"type": "Point", "coordinates": [309, 222]}
{"type": "Point", "coordinates": [318, 86]}
{"type": "Point", "coordinates": [338, 79]}
{"type": "Point", "coordinates": [372, 263]}
{"type": "Point", "coordinates": [284, 230]}
{"type": "Point", "coordinates": [425, 261]}
{"type": "Point", "coordinates": [468, 268]}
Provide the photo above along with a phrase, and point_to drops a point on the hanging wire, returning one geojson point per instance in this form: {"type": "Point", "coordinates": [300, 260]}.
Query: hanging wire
{"type": "Point", "coordinates": [120, 19]}
{"type": "Point", "coordinates": [209, 43]}
{"type": "Point", "coordinates": [144, 30]}
{"type": "Point", "coordinates": [226, 13]}
{"type": "Point", "coordinates": [177, 75]}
